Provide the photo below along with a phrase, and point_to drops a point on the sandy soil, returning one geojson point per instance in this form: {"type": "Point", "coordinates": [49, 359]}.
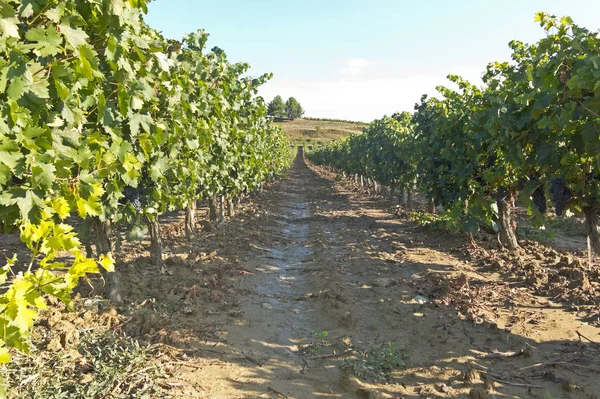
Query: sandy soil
{"type": "Point", "coordinates": [323, 257]}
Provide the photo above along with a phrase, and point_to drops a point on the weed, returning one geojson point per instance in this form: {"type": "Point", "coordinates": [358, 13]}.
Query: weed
{"type": "Point", "coordinates": [539, 235]}
{"type": "Point", "coordinates": [570, 226]}
{"type": "Point", "coordinates": [376, 363]}
{"type": "Point", "coordinates": [444, 222]}
{"type": "Point", "coordinates": [316, 347]}
{"type": "Point", "coordinates": [103, 366]}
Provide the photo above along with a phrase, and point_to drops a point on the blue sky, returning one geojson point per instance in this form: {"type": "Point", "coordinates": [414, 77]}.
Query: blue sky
{"type": "Point", "coordinates": [362, 59]}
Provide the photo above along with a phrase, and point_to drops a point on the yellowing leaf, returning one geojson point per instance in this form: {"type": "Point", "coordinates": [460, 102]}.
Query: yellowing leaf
{"type": "Point", "coordinates": [40, 303]}
{"type": "Point", "coordinates": [17, 311]}
{"type": "Point", "coordinates": [107, 262]}
{"type": "Point", "coordinates": [89, 207]}
{"type": "Point", "coordinates": [24, 318]}
{"type": "Point", "coordinates": [4, 356]}
{"type": "Point", "coordinates": [61, 207]}
{"type": "Point", "coordinates": [98, 190]}
{"type": "Point", "coordinates": [33, 233]}
{"type": "Point", "coordinates": [54, 265]}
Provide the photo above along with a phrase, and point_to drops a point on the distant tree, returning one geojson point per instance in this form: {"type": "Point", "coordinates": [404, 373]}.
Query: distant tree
{"type": "Point", "coordinates": [276, 108]}
{"type": "Point", "coordinates": [293, 109]}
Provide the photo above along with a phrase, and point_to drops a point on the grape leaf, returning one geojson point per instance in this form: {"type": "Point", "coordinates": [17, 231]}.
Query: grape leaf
{"type": "Point", "coordinates": [9, 26]}
{"type": "Point", "coordinates": [75, 37]}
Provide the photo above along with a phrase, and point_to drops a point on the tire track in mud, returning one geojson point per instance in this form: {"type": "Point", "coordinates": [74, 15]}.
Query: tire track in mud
{"type": "Point", "coordinates": [277, 319]}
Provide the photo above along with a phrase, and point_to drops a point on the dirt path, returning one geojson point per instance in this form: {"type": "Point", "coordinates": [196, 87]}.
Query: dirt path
{"type": "Point", "coordinates": [331, 279]}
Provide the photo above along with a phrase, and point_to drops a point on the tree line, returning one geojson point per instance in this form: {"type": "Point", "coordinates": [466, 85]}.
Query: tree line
{"type": "Point", "coordinates": [291, 109]}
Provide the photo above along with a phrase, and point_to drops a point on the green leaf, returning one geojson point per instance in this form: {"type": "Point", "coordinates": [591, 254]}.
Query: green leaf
{"type": "Point", "coordinates": [67, 114]}
{"type": "Point", "coordinates": [5, 175]}
{"type": "Point", "coordinates": [18, 87]}
{"type": "Point", "coordinates": [590, 133]}
{"type": "Point", "coordinates": [10, 159]}
{"type": "Point", "coordinates": [85, 67]}
{"type": "Point", "coordinates": [61, 89]}
{"type": "Point", "coordinates": [136, 103]}
{"type": "Point", "coordinates": [30, 206]}
{"type": "Point", "coordinates": [9, 26]}
{"type": "Point", "coordinates": [137, 120]}
{"type": "Point", "coordinates": [24, 318]}
{"type": "Point", "coordinates": [6, 10]}
{"type": "Point", "coordinates": [43, 175]}
{"type": "Point", "coordinates": [137, 233]}
{"type": "Point", "coordinates": [48, 38]}
{"type": "Point", "coordinates": [75, 37]}
{"type": "Point", "coordinates": [80, 268]}
{"type": "Point", "coordinates": [55, 14]}
{"type": "Point", "coordinates": [159, 168]}
{"type": "Point", "coordinates": [115, 7]}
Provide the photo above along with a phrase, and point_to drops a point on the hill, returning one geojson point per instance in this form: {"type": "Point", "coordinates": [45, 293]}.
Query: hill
{"type": "Point", "coordinates": [319, 131]}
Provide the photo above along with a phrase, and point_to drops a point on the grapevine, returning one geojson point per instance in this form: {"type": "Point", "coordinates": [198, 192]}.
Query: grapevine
{"type": "Point", "coordinates": [104, 119]}
{"type": "Point", "coordinates": [473, 148]}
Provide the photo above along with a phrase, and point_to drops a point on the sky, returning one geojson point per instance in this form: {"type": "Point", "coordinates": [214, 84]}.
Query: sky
{"type": "Point", "coordinates": [363, 59]}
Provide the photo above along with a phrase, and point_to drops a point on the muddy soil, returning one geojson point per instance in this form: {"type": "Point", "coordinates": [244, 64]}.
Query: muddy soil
{"type": "Point", "coordinates": [316, 290]}
{"type": "Point", "coordinates": [339, 298]}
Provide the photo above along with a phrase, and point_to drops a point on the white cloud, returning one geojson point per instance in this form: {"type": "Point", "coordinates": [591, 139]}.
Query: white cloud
{"type": "Point", "coordinates": [367, 98]}
{"type": "Point", "coordinates": [355, 67]}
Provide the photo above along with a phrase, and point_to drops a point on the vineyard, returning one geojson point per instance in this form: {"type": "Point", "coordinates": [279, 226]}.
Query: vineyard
{"type": "Point", "coordinates": [531, 132]}
{"type": "Point", "coordinates": [106, 126]}
{"type": "Point", "coordinates": [163, 238]}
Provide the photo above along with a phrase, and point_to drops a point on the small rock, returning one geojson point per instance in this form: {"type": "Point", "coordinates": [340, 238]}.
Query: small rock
{"type": "Point", "coordinates": [92, 305]}
{"type": "Point", "coordinates": [444, 388]}
{"type": "Point", "coordinates": [267, 306]}
{"type": "Point", "coordinates": [577, 278]}
{"type": "Point", "coordinates": [420, 300]}
{"type": "Point", "coordinates": [384, 282]}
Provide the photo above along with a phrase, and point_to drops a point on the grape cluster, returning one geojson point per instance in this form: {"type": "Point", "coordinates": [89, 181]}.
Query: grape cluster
{"type": "Point", "coordinates": [133, 196]}
{"type": "Point", "coordinates": [539, 199]}
{"type": "Point", "coordinates": [561, 195]}
{"type": "Point", "coordinates": [503, 194]}
{"type": "Point", "coordinates": [491, 161]}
